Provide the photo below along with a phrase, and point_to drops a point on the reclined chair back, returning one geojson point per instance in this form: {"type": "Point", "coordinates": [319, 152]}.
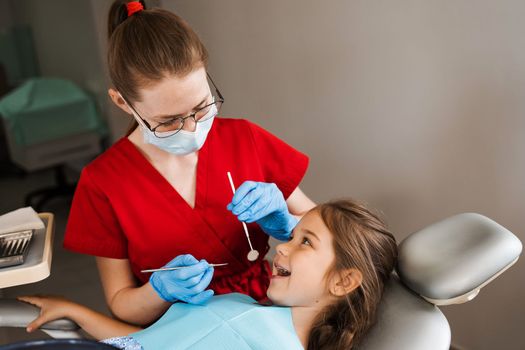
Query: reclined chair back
{"type": "Point", "coordinates": [445, 263]}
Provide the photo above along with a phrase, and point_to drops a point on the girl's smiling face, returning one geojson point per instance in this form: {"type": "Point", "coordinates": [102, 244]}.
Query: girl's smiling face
{"type": "Point", "coordinates": [301, 266]}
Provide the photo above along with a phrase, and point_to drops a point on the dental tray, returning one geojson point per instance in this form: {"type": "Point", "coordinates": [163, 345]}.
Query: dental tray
{"type": "Point", "coordinates": [14, 247]}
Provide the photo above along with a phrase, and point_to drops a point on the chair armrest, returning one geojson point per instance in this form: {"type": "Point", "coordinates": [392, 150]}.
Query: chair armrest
{"type": "Point", "coordinates": [15, 313]}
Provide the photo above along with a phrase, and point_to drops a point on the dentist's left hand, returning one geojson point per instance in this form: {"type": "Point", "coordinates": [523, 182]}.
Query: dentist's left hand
{"type": "Point", "coordinates": [187, 284]}
{"type": "Point", "coordinates": [263, 203]}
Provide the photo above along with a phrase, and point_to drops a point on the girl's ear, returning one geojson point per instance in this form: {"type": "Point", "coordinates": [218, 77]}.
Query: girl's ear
{"type": "Point", "coordinates": [119, 101]}
{"type": "Point", "coordinates": [345, 282]}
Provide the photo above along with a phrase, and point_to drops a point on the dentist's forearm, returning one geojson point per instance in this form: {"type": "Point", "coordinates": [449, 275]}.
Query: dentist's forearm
{"type": "Point", "coordinates": [299, 204]}
{"type": "Point", "coordinates": [299, 215]}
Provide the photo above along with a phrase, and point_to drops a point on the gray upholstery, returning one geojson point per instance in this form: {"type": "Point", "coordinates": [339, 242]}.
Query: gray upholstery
{"type": "Point", "coordinates": [14, 313]}
{"type": "Point", "coordinates": [455, 257]}
{"type": "Point", "coordinates": [442, 262]}
{"type": "Point", "coordinates": [407, 322]}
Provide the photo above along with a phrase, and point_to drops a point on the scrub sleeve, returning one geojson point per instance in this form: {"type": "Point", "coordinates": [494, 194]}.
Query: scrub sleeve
{"type": "Point", "coordinates": [124, 208]}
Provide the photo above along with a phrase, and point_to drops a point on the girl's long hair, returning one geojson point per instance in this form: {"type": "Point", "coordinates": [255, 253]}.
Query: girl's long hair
{"type": "Point", "coordinates": [361, 241]}
{"type": "Point", "coordinates": [148, 46]}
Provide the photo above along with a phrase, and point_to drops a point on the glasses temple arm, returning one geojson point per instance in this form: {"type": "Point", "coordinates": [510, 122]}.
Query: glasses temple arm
{"type": "Point", "coordinates": [215, 86]}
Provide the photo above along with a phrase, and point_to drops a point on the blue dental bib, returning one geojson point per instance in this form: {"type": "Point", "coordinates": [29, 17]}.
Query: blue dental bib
{"type": "Point", "coordinates": [229, 322]}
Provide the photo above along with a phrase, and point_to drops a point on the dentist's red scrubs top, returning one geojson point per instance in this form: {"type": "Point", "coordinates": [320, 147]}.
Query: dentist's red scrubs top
{"type": "Point", "coordinates": [124, 208]}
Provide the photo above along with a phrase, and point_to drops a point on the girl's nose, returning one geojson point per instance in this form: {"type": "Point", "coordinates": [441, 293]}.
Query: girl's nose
{"type": "Point", "coordinates": [282, 249]}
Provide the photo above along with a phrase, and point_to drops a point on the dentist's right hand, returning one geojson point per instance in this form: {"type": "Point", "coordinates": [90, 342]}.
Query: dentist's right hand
{"type": "Point", "coordinates": [187, 284]}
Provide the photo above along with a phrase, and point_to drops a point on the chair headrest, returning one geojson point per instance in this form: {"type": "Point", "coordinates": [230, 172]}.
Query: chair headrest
{"type": "Point", "coordinates": [449, 261]}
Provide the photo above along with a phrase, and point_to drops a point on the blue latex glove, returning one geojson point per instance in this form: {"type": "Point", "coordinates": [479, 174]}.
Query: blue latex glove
{"type": "Point", "coordinates": [187, 284]}
{"type": "Point", "coordinates": [263, 203]}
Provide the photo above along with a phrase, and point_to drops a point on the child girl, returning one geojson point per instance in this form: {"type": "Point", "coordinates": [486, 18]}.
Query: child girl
{"type": "Point", "coordinates": [327, 282]}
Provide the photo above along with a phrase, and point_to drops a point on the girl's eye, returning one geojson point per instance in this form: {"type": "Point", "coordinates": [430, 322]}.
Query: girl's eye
{"type": "Point", "coordinates": [306, 241]}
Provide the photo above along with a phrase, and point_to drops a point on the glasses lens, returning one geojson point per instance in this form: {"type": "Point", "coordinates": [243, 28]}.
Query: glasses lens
{"type": "Point", "coordinates": [208, 112]}
{"type": "Point", "coordinates": [168, 128]}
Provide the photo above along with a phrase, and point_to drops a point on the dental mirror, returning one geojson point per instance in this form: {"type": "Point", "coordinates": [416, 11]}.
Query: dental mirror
{"type": "Point", "coordinates": [252, 254]}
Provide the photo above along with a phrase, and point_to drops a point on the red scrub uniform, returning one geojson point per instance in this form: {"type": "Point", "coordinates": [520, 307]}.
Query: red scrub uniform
{"type": "Point", "coordinates": [124, 208]}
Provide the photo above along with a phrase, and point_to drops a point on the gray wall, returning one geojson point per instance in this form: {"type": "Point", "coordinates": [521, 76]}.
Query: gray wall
{"type": "Point", "coordinates": [417, 107]}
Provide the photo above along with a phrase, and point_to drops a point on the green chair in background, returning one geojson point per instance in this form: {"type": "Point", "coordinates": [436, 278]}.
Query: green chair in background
{"type": "Point", "coordinates": [49, 122]}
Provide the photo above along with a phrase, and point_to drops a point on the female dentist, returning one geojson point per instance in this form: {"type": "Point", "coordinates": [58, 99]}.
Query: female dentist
{"type": "Point", "coordinates": [162, 192]}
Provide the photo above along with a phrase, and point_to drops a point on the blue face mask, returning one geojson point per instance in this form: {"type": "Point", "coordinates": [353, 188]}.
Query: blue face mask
{"type": "Point", "coordinates": [184, 142]}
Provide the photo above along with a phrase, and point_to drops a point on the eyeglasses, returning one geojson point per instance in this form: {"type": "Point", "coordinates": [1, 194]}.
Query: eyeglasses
{"type": "Point", "coordinates": [174, 125]}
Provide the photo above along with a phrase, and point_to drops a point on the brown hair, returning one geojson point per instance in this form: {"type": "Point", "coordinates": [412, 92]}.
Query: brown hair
{"type": "Point", "coordinates": [361, 241]}
{"type": "Point", "coordinates": [148, 46]}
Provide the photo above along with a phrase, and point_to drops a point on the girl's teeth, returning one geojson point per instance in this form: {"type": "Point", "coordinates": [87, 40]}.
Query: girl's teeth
{"type": "Point", "coordinates": [282, 271]}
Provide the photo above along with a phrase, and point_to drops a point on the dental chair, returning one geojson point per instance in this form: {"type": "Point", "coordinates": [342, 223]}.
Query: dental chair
{"type": "Point", "coordinates": [445, 263]}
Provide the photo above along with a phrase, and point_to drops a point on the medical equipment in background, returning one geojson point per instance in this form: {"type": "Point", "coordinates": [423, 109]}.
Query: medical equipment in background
{"type": "Point", "coordinates": [36, 267]}
{"type": "Point", "coordinates": [49, 122]}
{"type": "Point", "coordinates": [36, 262]}
{"type": "Point", "coordinates": [14, 247]}
{"type": "Point", "coordinates": [473, 250]}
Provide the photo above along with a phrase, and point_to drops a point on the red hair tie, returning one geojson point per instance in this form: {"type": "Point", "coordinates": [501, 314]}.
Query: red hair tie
{"type": "Point", "coordinates": [134, 6]}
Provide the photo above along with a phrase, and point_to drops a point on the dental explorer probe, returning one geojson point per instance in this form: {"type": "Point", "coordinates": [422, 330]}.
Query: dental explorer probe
{"type": "Point", "coordinates": [177, 268]}
{"type": "Point", "coordinates": [252, 254]}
